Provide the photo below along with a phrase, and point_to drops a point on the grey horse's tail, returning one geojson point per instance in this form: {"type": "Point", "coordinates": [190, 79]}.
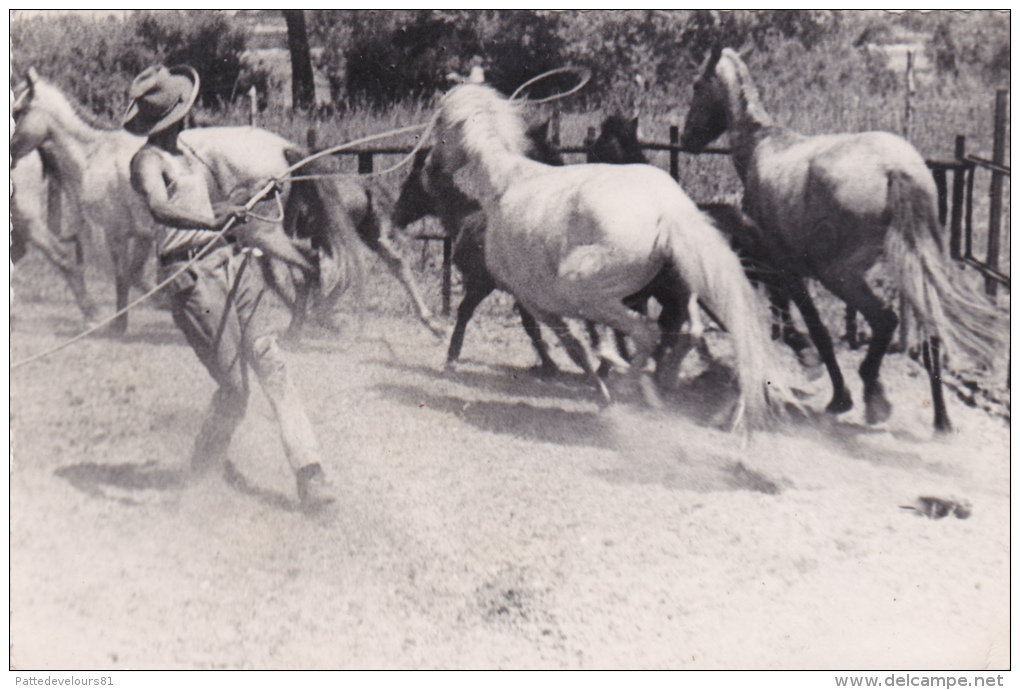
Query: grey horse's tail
{"type": "Point", "coordinates": [712, 271]}
{"type": "Point", "coordinates": [967, 323]}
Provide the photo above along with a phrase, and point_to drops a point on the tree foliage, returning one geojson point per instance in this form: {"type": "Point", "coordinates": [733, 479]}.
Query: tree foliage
{"type": "Point", "coordinates": [637, 57]}
{"type": "Point", "coordinates": [95, 59]}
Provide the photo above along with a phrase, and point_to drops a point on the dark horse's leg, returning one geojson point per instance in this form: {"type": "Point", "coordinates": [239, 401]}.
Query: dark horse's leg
{"type": "Point", "coordinates": [576, 352]}
{"type": "Point", "coordinates": [548, 366]}
{"type": "Point", "coordinates": [606, 357]}
{"type": "Point", "coordinates": [930, 351]}
{"type": "Point", "coordinates": [855, 292]}
{"type": "Point", "coordinates": [784, 328]}
{"type": "Point", "coordinates": [669, 355]}
{"type": "Point", "coordinates": [797, 290]}
{"type": "Point", "coordinates": [851, 328]}
{"type": "Point", "coordinates": [469, 258]}
{"type": "Point", "coordinates": [473, 296]}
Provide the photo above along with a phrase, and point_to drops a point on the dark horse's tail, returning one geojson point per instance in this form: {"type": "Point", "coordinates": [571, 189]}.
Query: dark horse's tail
{"type": "Point", "coordinates": [966, 322]}
{"type": "Point", "coordinates": [315, 213]}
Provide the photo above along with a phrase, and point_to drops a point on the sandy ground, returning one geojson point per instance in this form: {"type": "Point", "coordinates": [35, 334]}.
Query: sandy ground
{"type": "Point", "coordinates": [487, 519]}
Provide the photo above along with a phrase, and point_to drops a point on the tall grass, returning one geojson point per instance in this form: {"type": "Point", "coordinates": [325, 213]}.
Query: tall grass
{"type": "Point", "coordinates": [832, 88]}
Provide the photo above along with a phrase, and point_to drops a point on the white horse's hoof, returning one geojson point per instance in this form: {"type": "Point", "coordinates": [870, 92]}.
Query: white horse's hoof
{"type": "Point", "coordinates": [609, 354]}
{"type": "Point", "coordinates": [648, 391]}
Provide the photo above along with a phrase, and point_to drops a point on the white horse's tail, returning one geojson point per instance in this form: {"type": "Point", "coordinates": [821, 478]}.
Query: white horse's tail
{"type": "Point", "coordinates": [967, 323]}
{"type": "Point", "coordinates": [712, 271]}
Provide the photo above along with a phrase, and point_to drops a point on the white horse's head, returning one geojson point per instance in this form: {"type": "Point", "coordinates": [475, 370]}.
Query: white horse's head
{"type": "Point", "coordinates": [32, 126]}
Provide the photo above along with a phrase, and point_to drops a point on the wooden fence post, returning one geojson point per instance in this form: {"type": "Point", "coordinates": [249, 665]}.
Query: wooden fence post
{"type": "Point", "coordinates": [942, 187]}
{"type": "Point", "coordinates": [956, 216]}
{"type": "Point", "coordinates": [447, 277]}
{"type": "Point", "coordinates": [995, 208]}
{"type": "Point", "coordinates": [674, 152]}
{"type": "Point", "coordinates": [365, 162]}
{"type": "Point", "coordinates": [253, 102]}
{"type": "Point", "coordinates": [909, 92]}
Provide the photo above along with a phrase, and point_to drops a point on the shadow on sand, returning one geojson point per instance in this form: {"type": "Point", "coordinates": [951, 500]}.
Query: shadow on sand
{"type": "Point", "coordinates": [91, 478]}
{"type": "Point", "coordinates": [519, 419]}
{"type": "Point", "coordinates": [95, 479]}
{"type": "Point", "coordinates": [505, 380]}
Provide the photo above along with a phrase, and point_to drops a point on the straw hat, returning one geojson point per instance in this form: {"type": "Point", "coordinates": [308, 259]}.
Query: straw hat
{"type": "Point", "coordinates": [159, 97]}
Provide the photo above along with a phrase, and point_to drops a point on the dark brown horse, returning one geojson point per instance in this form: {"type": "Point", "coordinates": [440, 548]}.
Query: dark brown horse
{"type": "Point", "coordinates": [831, 207]}
{"type": "Point", "coordinates": [618, 143]}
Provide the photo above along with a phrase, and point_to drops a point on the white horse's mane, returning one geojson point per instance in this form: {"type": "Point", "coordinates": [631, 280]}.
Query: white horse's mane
{"type": "Point", "coordinates": [742, 87]}
{"type": "Point", "coordinates": [488, 122]}
{"type": "Point", "coordinates": [62, 106]}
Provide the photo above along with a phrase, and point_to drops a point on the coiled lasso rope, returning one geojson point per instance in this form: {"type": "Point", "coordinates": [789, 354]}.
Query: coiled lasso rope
{"type": "Point", "coordinates": [583, 72]}
{"type": "Point", "coordinates": [585, 77]}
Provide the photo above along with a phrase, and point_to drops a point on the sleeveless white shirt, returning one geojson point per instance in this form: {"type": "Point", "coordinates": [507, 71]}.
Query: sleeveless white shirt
{"type": "Point", "coordinates": [188, 189]}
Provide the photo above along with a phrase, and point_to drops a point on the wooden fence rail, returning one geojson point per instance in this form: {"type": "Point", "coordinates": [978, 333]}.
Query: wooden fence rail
{"type": "Point", "coordinates": [955, 204]}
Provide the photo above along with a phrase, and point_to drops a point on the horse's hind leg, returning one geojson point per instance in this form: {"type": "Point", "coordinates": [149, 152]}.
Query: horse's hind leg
{"type": "Point", "coordinates": [783, 327]}
{"type": "Point", "coordinates": [473, 296]}
{"type": "Point", "coordinates": [384, 248]}
{"type": "Point", "coordinates": [677, 309]}
{"type": "Point", "coordinates": [294, 289]}
{"type": "Point", "coordinates": [930, 351]}
{"type": "Point", "coordinates": [644, 334]}
{"type": "Point", "coordinates": [883, 321]}
{"type": "Point", "coordinates": [576, 352]}
{"type": "Point", "coordinates": [841, 401]}
{"type": "Point", "coordinates": [548, 366]}
{"type": "Point", "coordinates": [140, 249]}
{"type": "Point", "coordinates": [73, 273]}
{"type": "Point", "coordinates": [122, 285]}
{"type": "Point", "coordinates": [608, 357]}
{"type": "Point", "coordinates": [851, 328]}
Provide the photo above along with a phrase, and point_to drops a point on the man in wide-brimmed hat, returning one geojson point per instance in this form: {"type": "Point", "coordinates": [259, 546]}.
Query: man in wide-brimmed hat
{"type": "Point", "coordinates": [220, 301]}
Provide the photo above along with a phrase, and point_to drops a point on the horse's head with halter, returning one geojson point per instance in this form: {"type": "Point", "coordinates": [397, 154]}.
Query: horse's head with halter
{"type": "Point", "coordinates": [708, 118]}
{"type": "Point", "coordinates": [416, 199]}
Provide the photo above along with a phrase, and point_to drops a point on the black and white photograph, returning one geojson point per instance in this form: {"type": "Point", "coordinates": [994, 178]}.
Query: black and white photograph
{"type": "Point", "coordinates": [355, 340]}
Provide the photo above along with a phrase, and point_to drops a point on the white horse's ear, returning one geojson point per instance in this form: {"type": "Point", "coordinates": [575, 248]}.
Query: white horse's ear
{"type": "Point", "coordinates": [32, 76]}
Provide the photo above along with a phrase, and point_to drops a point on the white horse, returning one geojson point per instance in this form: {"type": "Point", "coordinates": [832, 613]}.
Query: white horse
{"type": "Point", "coordinates": [576, 241]}
{"type": "Point", "coordinates": [39, 218]}
{"type": "Point", "coordinates": [91, 163]}
{"type": "Point", "coordinates": [830, 207]}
